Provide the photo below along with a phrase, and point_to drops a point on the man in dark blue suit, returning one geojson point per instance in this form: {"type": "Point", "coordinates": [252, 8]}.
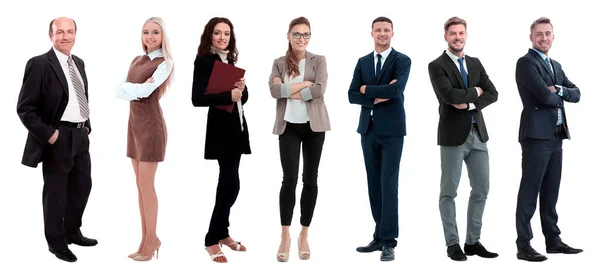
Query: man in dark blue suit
{"type": "Point", "coordinates": [378, 86]}
{"type": "Point", "coordinates": [543, 87]}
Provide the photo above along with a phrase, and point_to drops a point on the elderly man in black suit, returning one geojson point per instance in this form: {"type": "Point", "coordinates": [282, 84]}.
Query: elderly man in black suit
{"type": "Point", "coordinates": [53, 106]}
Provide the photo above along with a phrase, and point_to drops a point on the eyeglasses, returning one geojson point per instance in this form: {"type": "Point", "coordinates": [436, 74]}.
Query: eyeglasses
{"type": "Point", "coordinates": [297, 35]}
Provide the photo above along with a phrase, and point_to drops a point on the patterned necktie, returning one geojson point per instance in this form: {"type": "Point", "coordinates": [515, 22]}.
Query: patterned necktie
{"type": "Point", "coordinates": [378, 67]}
{"type": "Point", "coordinates": [83, 103]}
{"type": "Point", "coordinates": [465, 78]}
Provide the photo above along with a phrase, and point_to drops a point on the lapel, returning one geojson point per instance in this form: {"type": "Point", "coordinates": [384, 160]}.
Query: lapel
{"type": "Point", "coordinates": [544, 64]}
{"type": "Point", "coordinates": [470, 69]}
{"type": "Point", "coordinates": [58, 70]}
{"type": "Point", "coordinates": [449, 64]}
{"type": "Point", "coordinates": [388, 61]}
{"type": "Point", "coordinates": [371, 67]}
{"type": "Point", "coordinates": [310, 67]}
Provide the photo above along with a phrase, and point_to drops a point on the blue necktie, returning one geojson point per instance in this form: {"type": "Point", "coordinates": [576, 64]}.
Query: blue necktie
{"type": "Point", "coordinates": [465, 78]}
{"type": "Point", "coordinates": [378, 67]}
{"type": "Point", "coordinates": [559, 119]}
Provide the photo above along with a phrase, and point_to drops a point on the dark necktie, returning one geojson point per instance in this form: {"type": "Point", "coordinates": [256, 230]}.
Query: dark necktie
{"type": "Point", "coordinates": [378, 67]}
{"type": "Point", "coordinates": [465, 78]}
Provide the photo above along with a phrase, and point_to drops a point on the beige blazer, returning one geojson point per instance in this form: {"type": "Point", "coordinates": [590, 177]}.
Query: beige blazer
{"type": "Point", "coordinates": [315, 72]}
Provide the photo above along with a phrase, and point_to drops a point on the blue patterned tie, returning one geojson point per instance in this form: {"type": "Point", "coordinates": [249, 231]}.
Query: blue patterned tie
{"type": "Point", "coordinates": [559, 119]}
{"type": "Point", "coordinates": [378, 67]}
{"type": "Point", "coordinates": [465, 78]}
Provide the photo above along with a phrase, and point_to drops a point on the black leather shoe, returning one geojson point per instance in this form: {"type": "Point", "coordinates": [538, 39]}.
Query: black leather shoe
{"type": "Point", "coordinates": [529, 254]}
{"type": "Point", "coordinates": [64, 254]}
{"type": "Point", "coordinates": [455, 253]}
{"type": "Point", "coordinates": [561, 247]}
{"type": "Point", "coordinates": [82, 241]}
{"type": "Point", "coordinates": [373, 246]}
{"type": "Point", "coordinates": [478, 249]}
{"type": "Point", "coordinates": [387, 254]}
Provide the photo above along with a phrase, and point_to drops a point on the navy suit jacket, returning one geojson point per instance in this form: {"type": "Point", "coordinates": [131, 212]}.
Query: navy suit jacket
{"type": "Point", "coordinates": [540, 105]}
{"type": "Point", "coordinates": [388, 116]}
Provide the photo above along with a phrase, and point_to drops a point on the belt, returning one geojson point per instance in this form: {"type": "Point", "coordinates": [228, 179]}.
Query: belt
{"type": "Point", "coordinates": [77, 125]}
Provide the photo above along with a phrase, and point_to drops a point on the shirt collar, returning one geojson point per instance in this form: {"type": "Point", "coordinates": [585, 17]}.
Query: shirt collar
{"type": "Point", "coordinates": [156, 53]}
{"type": "Point", "coordinates": [541, 54]}
{"type": "Point", "coordinates": [452, 56]}
{"type": "Point", "coordinates": [384, 54]}
{"type": "Point", "coordinates": [61, 56]}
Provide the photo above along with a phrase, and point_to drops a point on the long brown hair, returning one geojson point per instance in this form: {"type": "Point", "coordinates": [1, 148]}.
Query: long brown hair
{"type": "Point", "coordinates": [206, 38]}
{"type": "Point", "coordinates": [291, 61]}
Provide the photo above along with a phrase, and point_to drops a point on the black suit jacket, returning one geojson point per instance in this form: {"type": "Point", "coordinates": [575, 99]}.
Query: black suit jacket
{"type": "Point", "coordinates": [42, 102]}
{"type": "Point", "coordinates": [454, 124]}
{"type": "Point", "coordinates": [224, 135]}
{"type": "Point", "coordinates": [540, 105]}
{"type": "Point", "coordinates": [389, 117]}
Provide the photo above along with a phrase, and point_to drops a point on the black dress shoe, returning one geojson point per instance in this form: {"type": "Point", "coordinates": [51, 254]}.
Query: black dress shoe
{"type": "Point", "coordinates": [82, 241]}
{"type": "Point", "coordinates": [478, 249]}
{"type": "Point", "coordinates": [373, 246]}
{"type": "Point", "coordinates": [387, 254]}
{"type": "Point", "coordinates": [561, 247]}
{"type": "Point", "coordinates": [455, 253]}
{"type": "Point", "coordinates": [529, 254]}
{"type": "Point", "coordinates": [64, 254]}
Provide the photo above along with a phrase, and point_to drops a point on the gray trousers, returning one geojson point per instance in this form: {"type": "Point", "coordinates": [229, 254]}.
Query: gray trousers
{"type": "Point", "coordinates": [475, 154]}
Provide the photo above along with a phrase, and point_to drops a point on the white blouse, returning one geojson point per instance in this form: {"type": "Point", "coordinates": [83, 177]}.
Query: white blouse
{"type": "Point", "coordinates": [295, 110]}
{"type": "Point", "coordinates": [135, 91]}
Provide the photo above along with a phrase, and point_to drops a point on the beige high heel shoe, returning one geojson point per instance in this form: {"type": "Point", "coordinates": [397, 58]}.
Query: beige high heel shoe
{"type": "Point", "coordinates": [142, 257]}
{"type": "Point", "coordinates": [303, 255]}
{"type": "Point", "coordinates": [284, 256]}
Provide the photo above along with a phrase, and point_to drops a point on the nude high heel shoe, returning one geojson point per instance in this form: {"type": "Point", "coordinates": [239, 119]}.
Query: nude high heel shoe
{"type": "Point", "coordinates": [142, 257]}
{"type": "Point", "coordinates": [303, 255]}
{"type": "Point", "coordinates": [283, 256]}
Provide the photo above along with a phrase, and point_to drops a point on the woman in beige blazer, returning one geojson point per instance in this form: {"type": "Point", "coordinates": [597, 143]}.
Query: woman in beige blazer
{"type": "Point", "coordinates": [298, 82]}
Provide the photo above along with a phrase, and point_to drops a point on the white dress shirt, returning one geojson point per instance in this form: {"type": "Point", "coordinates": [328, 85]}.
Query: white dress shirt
{"type": "Point", "coordinates": [72, 112]}
{"type": "Point", "coordinates": [135, 91]}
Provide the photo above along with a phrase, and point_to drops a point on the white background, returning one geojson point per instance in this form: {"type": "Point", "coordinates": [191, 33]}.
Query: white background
{"type": "Point", "coordinates": [109, 37]}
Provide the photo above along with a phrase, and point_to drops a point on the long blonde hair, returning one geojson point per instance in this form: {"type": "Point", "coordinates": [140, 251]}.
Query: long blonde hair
{"type": "Point", "coordinates": [165, 47]}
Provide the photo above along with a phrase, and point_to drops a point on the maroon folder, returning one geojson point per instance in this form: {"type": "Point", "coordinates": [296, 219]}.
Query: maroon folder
{"type": "Point", "coordinates": [223, 78]}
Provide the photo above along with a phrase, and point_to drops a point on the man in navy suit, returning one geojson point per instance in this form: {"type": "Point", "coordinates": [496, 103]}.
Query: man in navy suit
{"type": "Point", "coordinates": [378, 86]}
{"type": "Point", "coordinates": [543, 87]}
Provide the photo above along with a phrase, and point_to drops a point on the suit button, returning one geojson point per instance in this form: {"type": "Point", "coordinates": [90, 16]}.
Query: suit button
{"type": "Point", "coordinates": [536, 108]}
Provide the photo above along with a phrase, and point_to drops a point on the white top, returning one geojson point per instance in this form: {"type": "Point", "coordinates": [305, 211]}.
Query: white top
{"type": "Point", "coordinates": [72, 112]}
{"type": "Point", "coordinates": [135, 91]}
{"type": "Point", "coordinates": [295, 110]}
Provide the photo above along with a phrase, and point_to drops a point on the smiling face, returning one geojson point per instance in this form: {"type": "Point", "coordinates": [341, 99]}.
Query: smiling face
{"type": "Point", "coordinates": [299, 37]}
{"type": "Point", "coordinates": [63, 35]}
{"type": "Point", "coordinates": [456, 36]}
{"type": "Point", "coordinates": [152, 36]}
{"type": "Point", "coordinates": [542, 37]}
{"type": "Point", "coordinates": [382, 33]}
{"type": "Point", "coordinates": [221, 35]}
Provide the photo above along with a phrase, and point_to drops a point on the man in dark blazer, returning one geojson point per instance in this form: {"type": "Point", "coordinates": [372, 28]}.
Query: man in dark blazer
{"type": "Point", "coordinates": [378, 86]}
{"type": "Point", "coordinates": [463, 90]}
{"type": "Point", "coordinates": [53, 106]}
{"type": "Point", "coordinates": [543, 87]}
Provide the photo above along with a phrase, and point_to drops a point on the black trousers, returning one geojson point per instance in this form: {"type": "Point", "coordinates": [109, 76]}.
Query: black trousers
{"type": "Point", "coordinates": [227, 192]}
{"type": "Point", "coordinates": [66, 168]}
{"type": "Point", "coordinates": [541, 165]}
{"type": "Point", "coordinates": [295, 136]}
